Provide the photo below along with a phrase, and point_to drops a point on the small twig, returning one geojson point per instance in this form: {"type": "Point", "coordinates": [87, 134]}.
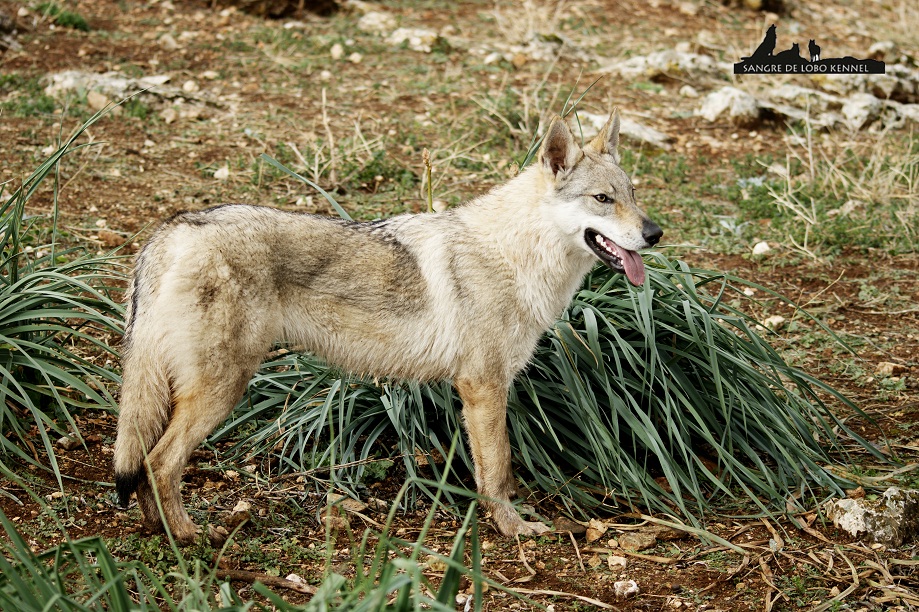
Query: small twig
{"type": "Point", "coordinates": [629, 553]}
{"type": "Point", "coordinates": [855, 584]}
{"type": "Point", "coordinates": [593, 602]}
{"type": "Point", "coordinates": [326, 468]}
{"type": "Point", "coordinates": [577, 552]}
{"type": "Point", "coordinates": [273, 581]}
{"type": "Point", "coordinates": [768, 577]}
{"type": "Point", "coordinates": [328, 130]}
{"type": "Point", "coordinates": [426, 158]}
{"type": "Point", "coordinates": [523, 558]}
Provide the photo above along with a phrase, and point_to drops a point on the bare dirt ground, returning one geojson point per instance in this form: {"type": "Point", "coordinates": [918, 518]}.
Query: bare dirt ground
{"type": "Point", "coordinates": [353, 110]}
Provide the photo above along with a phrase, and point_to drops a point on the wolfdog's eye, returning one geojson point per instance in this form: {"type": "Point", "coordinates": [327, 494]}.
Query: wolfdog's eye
{"type": "Point", "coordinates": [602, 198]}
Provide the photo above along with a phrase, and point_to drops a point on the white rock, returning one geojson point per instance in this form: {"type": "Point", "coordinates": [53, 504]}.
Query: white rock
{"type": "Point", "coordinates": [774, 322]}
{"type": "Point", "coordinates": [190, 87]}
{"type": "Point", "coordinates": [242, 506]}
{"type": "Point", "coordinates": [295, 578]}
{"type": "Point", "coordinates": [892, 520]}
{"type": "Point", "coordinates": [616, 562]}
{"type": "Point", "coordinates": [761, 247]}
{"type": "Point", "coordinates": [355, 58]}
{"type": "Point", "coordinates": [881, 48]}
{"type": "Point", "coordinates": [325, 75]}
{"type": "Point", "coordinates": [688, 91]}
{"type": "Point", "coordinates": [168, 42]}
{"type": "Point", "coordinates": [670, 62]}
{"type": "Point", "coordinates": [169, 115]}
{"type": "Point", "coordinates": [492, 57]}
{"type": "Point", "coordinates": [376, 22]}
{"type": "Point", "coordinates": [337, 51]}
{"type": "Point", "coordinates": [730, 103]}
{"type": "Point", "coordinates": [96, 100]}
{"type": "Point", "coordinates": [222, 173]}
{"type": "Point", "coordinates": [626, 588]}
{"type": "Point", "coordinates": [861, 109]}
{"type": "Point", "coordinates": [111, 84]}
{"type": "Point", "coordinates": [417, 39]}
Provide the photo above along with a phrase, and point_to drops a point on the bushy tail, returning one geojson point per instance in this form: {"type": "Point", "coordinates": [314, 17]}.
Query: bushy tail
{"type": "Point", "coordinates": [145, 400]}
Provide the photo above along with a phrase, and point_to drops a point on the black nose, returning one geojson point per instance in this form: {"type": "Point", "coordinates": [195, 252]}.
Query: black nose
{"type": "Point", "coordinates": [651, 232]}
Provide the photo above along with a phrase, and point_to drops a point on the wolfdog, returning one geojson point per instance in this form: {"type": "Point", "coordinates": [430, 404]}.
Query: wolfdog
{"type": "Point", "coordinates": [461, 295]}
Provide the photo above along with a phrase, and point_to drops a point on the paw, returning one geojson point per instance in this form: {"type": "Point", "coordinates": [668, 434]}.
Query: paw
{"type": "Point", "coordinates": [510, 524]}
{"type": "Point", "coordinates": [186, 534]}
{"type": "Point", "coordinates": [534, 528]}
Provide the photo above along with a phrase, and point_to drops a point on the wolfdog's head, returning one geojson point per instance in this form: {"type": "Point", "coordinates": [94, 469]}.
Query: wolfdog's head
{"type": "Point", "coordinates": [594, 200]}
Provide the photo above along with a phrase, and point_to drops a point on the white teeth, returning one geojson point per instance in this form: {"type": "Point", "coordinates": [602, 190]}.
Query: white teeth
{"type": "Point", "coordinates": [603, 243]}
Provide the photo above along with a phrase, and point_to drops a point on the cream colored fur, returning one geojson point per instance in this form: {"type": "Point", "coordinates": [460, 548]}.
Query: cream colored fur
{"type": "Point", "coordinates": [462, 295]}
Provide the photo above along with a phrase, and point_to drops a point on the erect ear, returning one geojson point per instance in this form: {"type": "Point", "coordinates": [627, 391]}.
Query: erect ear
{"type": "Point", "coordinates": [607, 141]}
{"type": "Point", "coordinates": [559, 151]}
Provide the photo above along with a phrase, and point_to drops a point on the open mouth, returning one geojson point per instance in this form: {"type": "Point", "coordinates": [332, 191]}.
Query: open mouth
{"type": "Point", "coordinates": [616, 257]}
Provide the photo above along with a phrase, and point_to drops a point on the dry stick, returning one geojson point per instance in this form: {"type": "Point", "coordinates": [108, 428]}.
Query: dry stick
{"type": "Point", "coordinates": [426, 158]}
{"type": "Point", "coordinates": [593, 602]}
{"type": "Point", "coordinates": [523, 558]}
{"type": "Point", "coordinates": [654, 558]}
{"type": "Point", "coordinates": [273, 581]}
{"type": "Point", "coordinates": [767, 578]}
{"type": "Point", "coordinates": [578, 552]}
{"type": "Point", "coordinates": [328, 131]}
{"type": "Point", "coordinates": [779, 542]}
{"type": "Point", "coordinates": [855, 584]}
{"type": "Point", "coordinates": [326, 468]}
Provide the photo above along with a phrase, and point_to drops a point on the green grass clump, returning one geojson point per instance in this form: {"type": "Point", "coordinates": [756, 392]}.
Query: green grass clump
{"type": "Point", "coordinates": [63, 17]}
{"type": "Point", "coordinates": [55, 305]}
{"type": "Point", "coordinates": [665, 397]}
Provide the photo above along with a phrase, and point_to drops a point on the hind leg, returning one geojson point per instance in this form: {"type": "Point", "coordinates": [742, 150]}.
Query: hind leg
{"type": "Point", "coordinates": [198, 409]}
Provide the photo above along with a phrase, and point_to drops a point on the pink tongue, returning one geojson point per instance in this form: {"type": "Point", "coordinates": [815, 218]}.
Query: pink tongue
{"type": "Point", "coordinates": [634, 266]}
{"type": "Point", "coordinates": [631, 261]}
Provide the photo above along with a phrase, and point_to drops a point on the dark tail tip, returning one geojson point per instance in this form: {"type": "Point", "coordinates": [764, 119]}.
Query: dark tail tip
{"type": "Point", "coordinates": [125, 484]}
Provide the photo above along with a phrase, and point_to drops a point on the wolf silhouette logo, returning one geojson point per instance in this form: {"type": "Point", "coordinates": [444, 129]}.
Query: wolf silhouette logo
{"type": "Point", "coordinates": [764, 60]}
{"type": "Point", "coordinates": [814, 50]}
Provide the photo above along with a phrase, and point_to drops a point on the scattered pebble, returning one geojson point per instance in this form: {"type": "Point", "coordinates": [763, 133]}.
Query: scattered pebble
{"type": "Point", "coordinates": [68, 442]}
{"type": "Point", "coordinates": [168, 42]}
{"type": "Point", "coordinates": [688, 91]}
{"type": "Point", "coordinates": [96, 100]}
{"type": "Point", "coordinates": [774, 322]}
{"type": "Point", "coordinates": [761, 247]}
{"type": "Point", "coordinates": [376, 22]}
{"type": "Point", "coordinates": [636, 541]}
{"type": "Point", "coordinates": [222, 173]}
{"type": "Point", "coordinates": [735, 105]}
{"type": "Point", "coordinates": [626, 588]}
{"type": "Point", "coordinates": [337, 51]}
{"type": "Point", "coordinates": [169, 115]}
{"type": "Point", "coordinates": [887, 369]}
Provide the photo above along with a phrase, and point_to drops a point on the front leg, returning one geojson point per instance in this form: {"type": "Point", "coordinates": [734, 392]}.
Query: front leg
{"type": "Point", "coordinates": [485, 416]}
